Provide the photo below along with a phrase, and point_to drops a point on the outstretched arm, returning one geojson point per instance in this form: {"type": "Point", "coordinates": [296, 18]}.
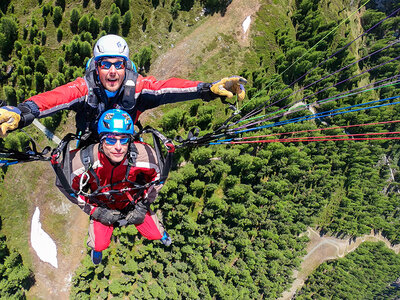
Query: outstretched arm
{"type": "Point", "coordinates": [66, 96]}
{"type": "Point", "coordinates": [152, 93]}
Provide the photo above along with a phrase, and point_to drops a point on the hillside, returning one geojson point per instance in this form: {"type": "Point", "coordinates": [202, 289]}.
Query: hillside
{"type": "Point", "coordinates": [237, 213]}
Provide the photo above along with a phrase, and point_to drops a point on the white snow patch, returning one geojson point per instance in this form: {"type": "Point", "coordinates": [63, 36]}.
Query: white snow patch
{"type": "Point", "coordinates": [246, 24]}
{"type": "Point", "coordinates": [41, 242]}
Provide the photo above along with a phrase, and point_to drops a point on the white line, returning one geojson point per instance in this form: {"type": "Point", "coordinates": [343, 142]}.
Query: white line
{"type": "Point", "coordinates": [47, 132]}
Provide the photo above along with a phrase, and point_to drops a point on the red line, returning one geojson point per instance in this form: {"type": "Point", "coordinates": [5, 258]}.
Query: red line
{"type": "Point", "coordinates": [342, 135]}
{"type": "Point", "coordinates": [321, 129]}
{"type": "Point", "coordinates": [311, 140]}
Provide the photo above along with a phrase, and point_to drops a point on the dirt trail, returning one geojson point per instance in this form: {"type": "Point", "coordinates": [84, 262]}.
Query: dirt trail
{"type": "Point", "coordinates": [321, 249]}
{"type": "Point", "coordinates": [180, 60]}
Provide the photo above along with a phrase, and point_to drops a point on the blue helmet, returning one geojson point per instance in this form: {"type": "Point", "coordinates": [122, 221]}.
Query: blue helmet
{"type": "Point", "coordinates": [115, 121]}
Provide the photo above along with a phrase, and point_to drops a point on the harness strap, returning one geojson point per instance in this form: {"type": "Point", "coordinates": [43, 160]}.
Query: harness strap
{"type": "Point", "coordinates": [62, 170]}
{"type": "Point", "coordinates": [165, 162]}
{"type": "Point", "coordinates": [87, 159]}
{"type": "Point", "coordinates": [133, 153]}
{"type": "Point", "coordinates": [62, 179]}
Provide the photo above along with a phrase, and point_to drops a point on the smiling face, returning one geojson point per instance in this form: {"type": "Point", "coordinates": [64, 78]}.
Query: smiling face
{"type": "Point", "coordinates": [111, 78]}
{"type": "Point", "coordinates": [115, 147]}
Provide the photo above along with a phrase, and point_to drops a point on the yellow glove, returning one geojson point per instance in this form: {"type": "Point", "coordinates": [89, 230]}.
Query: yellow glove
{"type": "Point", "coordinates": [229, 86]}
{"type": "Point", "coordinates": [9, 119]}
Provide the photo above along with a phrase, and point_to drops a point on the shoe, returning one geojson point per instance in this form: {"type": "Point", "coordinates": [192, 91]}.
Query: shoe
{"type": "Point", "coordinates": [96, 257]}
{"type": "Point", "coordinates": [166, 239]}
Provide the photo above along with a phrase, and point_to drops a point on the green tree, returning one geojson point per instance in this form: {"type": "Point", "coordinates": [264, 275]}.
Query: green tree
{"type": "Point", "coordinates": [10, 94]}
{"type": "Point", "coordinates": [36, 53]}
{"type": "Point", "coordinates": [57, 15]}
{"type": "Point", "coordinates": [106, 24]}
{"type": "Point", "coordinates": [33, 32]}
{"type": "Point", "coordinates": [25, 33]}
{"type": "Point", "coordinates": [46, 10]}
{"type": "Point", "coordinates": [61, 4]}
{"type": "Point", "coordinates": [126, 23]}
{"type": "Point", "coordinates": [18, 48]}
{"type": "Point", "coordinates": [39, 82]}
{"type": "Point", "coordinates": [74, 20]}
{"type": "Point", "coordinates": [172, 119]}
{"type": "Point", "coordinates": [83, 24]}
{"type": "Point", "coordinates": [86, 36]}
{"type": "Point", "coordinates": [115, 9]}
{"type": "Point", "coordinates": [41, 65]}
{"type": "Point", "coordinates": [8, 35]}
{"type": "Point", "coordinates": [123, 5]}
{"type": "Point", "coordinates": [15, 277]}
{"type": "Point", "coordinates": [94, 26]}
{"type": "Point", "coordinates": [60, 63]}
{"type": "Point", "coordinates": [43, 37]}
{"type": "Point", "coordinates": [175, 8]}
{"type": "Point", "coordinates": [60, 34]}
{"type": "Point", "coordinates": [143, 58]}
{"type": "Point", "coordinates": [115, 23]}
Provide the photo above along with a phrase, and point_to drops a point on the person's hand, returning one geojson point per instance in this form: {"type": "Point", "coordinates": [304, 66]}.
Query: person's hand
{"type": "Point", "coordinates": [137, 215]}
{"type": "Point", "coordinates": [229, 86]}
{"type": "Point", "coordinates": [106, 216]}
{"type": "Point", "coordinates": [9, 119]}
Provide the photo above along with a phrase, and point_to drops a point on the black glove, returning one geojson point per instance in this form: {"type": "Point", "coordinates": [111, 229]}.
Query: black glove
{"type": "Point", "coordinates": [106, 216]}
{"type": "Point", "coordinates": [137, 215]}
{"type": "Point", "coordinates": [205, 92]}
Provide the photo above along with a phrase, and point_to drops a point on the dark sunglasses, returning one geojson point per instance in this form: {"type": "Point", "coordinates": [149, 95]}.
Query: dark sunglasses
{"type": "Point", "coordinates": [113, 141]}
{"type": "Point", "coordinates": [105, 65]}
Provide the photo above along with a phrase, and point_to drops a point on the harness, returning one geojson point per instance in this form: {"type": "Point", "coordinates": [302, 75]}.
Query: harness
{"type": "Point", "coordinates": [61, 163]}
{"type": "Point", "coordinates": [97, 101]}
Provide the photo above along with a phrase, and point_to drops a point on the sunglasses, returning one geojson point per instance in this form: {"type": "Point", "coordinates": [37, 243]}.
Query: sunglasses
{"type": "Point", "coordinates": [105, 65]}
{"type": "Point", "coordinates": [113, 141]}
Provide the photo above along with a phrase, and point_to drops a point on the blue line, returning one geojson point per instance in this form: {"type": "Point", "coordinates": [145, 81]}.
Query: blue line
{"type": "Point", "coordinates": [326, 113]}
{"type": "Point", "coordinates": [315, 116]}
{"type": "Point", "coordinates": [5, 163]}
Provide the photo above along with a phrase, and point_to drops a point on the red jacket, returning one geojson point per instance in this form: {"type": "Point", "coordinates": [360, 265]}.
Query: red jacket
{"type": "Point", "coordinates": [146, 165]}
{"type": "Point", "coordinates": [149, 93]}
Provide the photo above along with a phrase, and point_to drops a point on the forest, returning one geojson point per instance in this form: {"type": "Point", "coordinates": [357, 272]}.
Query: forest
{"type": "Point", "coordinates": [237, 213]}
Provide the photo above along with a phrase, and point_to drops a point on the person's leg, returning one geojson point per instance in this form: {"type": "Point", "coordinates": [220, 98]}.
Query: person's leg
{"type": "Point", "coordinates": [153, 229]}
{"type": "Point", "coordinates": [99, 235]}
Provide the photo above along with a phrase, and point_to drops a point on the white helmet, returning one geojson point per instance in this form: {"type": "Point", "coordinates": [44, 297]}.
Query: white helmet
{"type": "Point", "coordinates": [111, 45]}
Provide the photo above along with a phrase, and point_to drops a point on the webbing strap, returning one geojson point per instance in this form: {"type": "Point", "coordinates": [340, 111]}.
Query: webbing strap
{"type": "Point", "coordinates": [87, 159]}
{"type": "Point", "coordinates": [165, 162]}
{"type": "Point", "coordinates": [62, 170]}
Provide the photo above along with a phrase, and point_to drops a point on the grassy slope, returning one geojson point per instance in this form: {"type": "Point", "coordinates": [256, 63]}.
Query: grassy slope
{"type": "Point", "coordinates": [33, 179]}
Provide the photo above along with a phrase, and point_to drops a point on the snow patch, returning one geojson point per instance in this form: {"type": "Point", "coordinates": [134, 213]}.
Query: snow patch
{"type": "Point", "coordinates": [246, 24]}
{"type": "Point", "coordinates": [41, 242]}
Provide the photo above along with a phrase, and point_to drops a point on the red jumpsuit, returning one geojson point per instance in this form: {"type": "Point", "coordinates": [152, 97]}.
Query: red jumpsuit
{"type": "Point", "coordinates": [145, 170]}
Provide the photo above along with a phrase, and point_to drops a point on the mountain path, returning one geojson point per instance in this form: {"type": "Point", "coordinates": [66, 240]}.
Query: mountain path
{"type": "Point", "coordinates": [321, 249]}
{"type": "Point", "coordinates": [180, 60]}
